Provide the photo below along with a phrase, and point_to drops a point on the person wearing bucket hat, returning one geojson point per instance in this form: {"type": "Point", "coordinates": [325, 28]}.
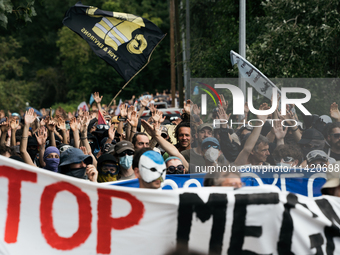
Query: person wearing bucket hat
{"type": "Point", "coordinates": [108, 168]}
{"type": "Point", "coordinates": [73, 162]}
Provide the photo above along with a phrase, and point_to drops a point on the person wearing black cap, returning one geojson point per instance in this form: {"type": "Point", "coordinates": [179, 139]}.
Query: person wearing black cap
{"type": "Point", "coordinates": [124, 152]}
{"type": "Point", "coordinates": [75, 163]}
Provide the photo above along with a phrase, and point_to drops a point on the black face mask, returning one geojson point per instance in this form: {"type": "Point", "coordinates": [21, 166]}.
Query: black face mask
{"type": "Point", "coordinates": [78, 173]}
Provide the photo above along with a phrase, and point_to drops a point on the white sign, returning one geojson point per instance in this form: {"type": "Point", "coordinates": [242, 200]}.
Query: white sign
{"type": "Point", "coordinates": [42, 212]}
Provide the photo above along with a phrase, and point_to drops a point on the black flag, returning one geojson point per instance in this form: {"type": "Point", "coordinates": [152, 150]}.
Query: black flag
{"type": "Point", "coordinates": [123, 40]}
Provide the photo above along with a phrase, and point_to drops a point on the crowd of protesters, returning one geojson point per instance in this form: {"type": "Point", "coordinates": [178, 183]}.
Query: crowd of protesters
{"type": "Point", "coordinates": [106, 144]}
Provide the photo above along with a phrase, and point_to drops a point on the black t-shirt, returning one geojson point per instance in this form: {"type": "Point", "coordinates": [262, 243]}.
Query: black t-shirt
{"type": "Point", "coordinates": [334, 155]}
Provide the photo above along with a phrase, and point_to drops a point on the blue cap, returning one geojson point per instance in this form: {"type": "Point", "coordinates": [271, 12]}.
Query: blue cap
{"type": "Point", "coordinates": [210, 140]}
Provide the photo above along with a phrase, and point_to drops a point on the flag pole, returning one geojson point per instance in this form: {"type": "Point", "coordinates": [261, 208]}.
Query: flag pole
{"type": "Point", "coordinates": [136, 73]}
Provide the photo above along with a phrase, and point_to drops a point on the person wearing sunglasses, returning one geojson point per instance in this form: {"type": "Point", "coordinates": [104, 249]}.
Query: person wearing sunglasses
{"type": "Point", "coordinates": [124, 152]}
{"type": "Point", "coordinates": [211, 150]}
{"type": "Point", "coordinates": [317, 159]}
{"type": "Point", "coordinates": [333, 138]}
{"type": "Point", "coordinates": [174, 165]}
{"type": "Point", "coordinates": [287, 155]}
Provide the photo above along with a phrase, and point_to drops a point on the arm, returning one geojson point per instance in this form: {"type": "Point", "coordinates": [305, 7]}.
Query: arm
{"type": "Point", "coordinates": [133, 122]}
{"type": "Point", "coordinates": [14, 124]}
{"type": "Point", "coordinates": [242, 158]}
{"type": "Point", "coordinates": [98, 100]}
{"type": "Point", "coordinates": [41, 139]}
{"type": "Point", "coordinates": [4, 128]}
{"type": "Point", "coordinates": [62, 126]}
{"type": "Point", "coordinates": [29, 118]}
{"type": "Point", "coordinates": [51, 128]}
{"type": "Point", "coordinates": [168, 147]}
{"type": "Point", "coordinates": [144, 103]}
{"type": "Point", "coordinates": [74, 125]}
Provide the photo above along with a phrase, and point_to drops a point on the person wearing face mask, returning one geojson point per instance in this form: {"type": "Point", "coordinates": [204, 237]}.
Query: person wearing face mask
{"type": "Point", "coordinates": [149, 168]}
{"type": "Point", "coordinates": [51, 158]}
{"type": "Point", "coordinates": [287, 155]}
{"type": "Point", "coordinates": [124, 152]}
{"type": "Point", "coordinates": [73, 162]}
{"type": "Point", "coordinates": [108, 168]}
{"type": "Point", "coordinates": [211, 150]}
{"type": "Point", "coordinates": [195, 156]}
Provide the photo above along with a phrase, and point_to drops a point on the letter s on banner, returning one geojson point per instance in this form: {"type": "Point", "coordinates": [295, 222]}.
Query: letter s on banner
{"type": "Point", "coordinates": [46, 216]}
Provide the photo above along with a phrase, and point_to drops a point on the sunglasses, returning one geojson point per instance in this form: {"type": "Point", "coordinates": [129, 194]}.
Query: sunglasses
{"type": "Point", "coordinates": [210, 145]}
{"type": "Point", "coordinates": [103, 127]}
{"type": "Point", "coordinates": [122, 154]}
{"type": "Point", "coordinates": [287, 159]}
{"type": "Point", "coordinates": [175, 170]}
{"type": "Point", "coordinates": [337, 135]}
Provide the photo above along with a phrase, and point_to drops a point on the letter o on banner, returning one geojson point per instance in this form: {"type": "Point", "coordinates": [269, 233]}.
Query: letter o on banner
{"type": "Point", "coordinates": [46, 218]}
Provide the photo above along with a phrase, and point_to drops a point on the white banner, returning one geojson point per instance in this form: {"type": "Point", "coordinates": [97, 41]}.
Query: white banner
{"type": "Point", "coordinates": [253, 76]}
{"type": "Point", "coordinates": [42, 212]}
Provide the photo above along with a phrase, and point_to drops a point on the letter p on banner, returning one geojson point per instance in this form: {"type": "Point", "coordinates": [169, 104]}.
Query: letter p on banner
{"type": "Point", "coordinates": [106, 223]}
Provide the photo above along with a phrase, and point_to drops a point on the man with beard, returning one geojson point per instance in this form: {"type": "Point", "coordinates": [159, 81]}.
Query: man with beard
{"type": "Point", "coordinates": [333, 138]}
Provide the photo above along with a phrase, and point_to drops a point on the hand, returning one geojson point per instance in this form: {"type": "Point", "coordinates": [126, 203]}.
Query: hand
{"type": "Point", "coordinates": [133, 121]}
{"type": "Point", "coordinates": [152, 108]}
{"type": "Point", "coordinates": [4, 126]}
{"type": "Point", "coordinates": [92, 173]}
{"type": "Point", "coordinates": [144, 102]}
{"type": "Point", "coordinates": [129, 111]}
{"type": "Point", "coordinates": [112, 132]}
{"type": "Point", "coordinates": [84, 123]}
{"type": "Point", "coordinates": [278, 130]}
{"type": "Point", "coordinates": [43, 122]}
{"type": "Point", "coordinates": [29, 117]}
{"type": "Point", "coordinates": [14, 124]}
{"type": "Point", "coordinates": [334, 111]}
{"type": "Point", "coordinates": [148, 128]}
{"type": "Point", "coordinates": [157, 116]}
{"type": "Point", "coordinates": [97, 98]}
{"type": "Point", "coordinates": [196, 110]}
{"type": "Point", "coordinates": [41, 136]}
{"type": "Point", "coordinates": [74, 124]}
{"type": "Point", "coordinates": [123, 110]}
{"type": "Point", "coordinates": [187, 107]}
{"type": "Point", "coordinates": [262, 107]}
{"type": "Point", "coordinates": [222, 114]}
{"type": "Point", "coordinates": [83, 149]}
{"type": "Point", "coordinates": [224, 102]}
{"type": "Point", "coordinates": [289, 116]}
{"type": "Point", "coordinates": [80, 112]}
{"type": "Point", "coordinates": [61, 124]}
{"type": "Point", "coordinates": [51, 125]}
